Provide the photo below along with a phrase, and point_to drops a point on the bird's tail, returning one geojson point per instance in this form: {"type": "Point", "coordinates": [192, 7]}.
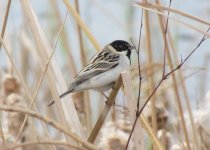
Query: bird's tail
{"type": "Point", "coordinates": [61, 96]}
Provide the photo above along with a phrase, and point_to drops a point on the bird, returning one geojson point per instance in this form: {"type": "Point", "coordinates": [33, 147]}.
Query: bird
{"type": "Point", "coordinates": [103, 69]}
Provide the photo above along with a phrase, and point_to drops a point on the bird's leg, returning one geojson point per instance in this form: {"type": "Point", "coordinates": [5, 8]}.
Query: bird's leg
{"type": "Point", "coordinates": [113, 88]}
{"type": "Point", "coordinates": [105, 95]}
{"type": "Point", "coordinates": [106, 98]}
{"type": "Point", "coordinates": [106, 102]}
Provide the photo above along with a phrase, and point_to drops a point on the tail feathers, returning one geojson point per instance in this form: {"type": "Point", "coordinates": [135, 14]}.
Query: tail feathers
{"type": "Point", "coordinates": [61, 96]}
{"type": "Point", "coordinates": [66, 93]}
{"type": "Point", "coordinates": [51, 103]}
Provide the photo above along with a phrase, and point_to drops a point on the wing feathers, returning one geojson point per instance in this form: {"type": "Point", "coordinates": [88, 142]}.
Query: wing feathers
{"type": "Point", "coordinates": [100, 63]}
{"type": "Point", "coordinates": [103, 61]}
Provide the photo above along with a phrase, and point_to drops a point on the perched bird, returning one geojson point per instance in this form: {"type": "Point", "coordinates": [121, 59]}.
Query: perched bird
{"type": "Point", "coordinates": [103, 69]}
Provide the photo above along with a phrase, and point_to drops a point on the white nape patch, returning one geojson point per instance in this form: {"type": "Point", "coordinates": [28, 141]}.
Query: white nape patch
{"type": "Point", "coordinates": [109, 47]}
{"type": "Point", "coordinates": [122, 53]}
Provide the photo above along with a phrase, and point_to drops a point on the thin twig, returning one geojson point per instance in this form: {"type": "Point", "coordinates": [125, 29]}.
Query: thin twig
{"type": "Point", "coordinates": [175, 85]}
{"type": "Point", "coordinates": [164, 78]}
{"type": "Point", "coordinates": [165, 38]}
{"type": "Point", "coordinates": [139, 64]}
{"type": "Point", "coordinates": [139, 71]}
{"type": "Point", "coordinates": [5, 20]}
{"type": "Point", "coordinates": [172, 71]}
{"type": "Point", "coordinates": [183, 61]}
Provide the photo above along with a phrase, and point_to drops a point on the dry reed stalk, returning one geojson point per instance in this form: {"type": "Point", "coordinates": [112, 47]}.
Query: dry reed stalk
{"type": "Point", "coordinates": [176, 20]}
{"type": "Point", "coordinates": [146, 125]}
{"type": "Point", "coordinates": [36, 92]}
{"type": "Point", "coordinates": [25, 62]}
{"type": "Point", "coordinates": [5, 20]}
{"type": "Point", "coordinates": [172, 10]}
{"type": "Point", "coordinates": [50, 122]}
{"type": "Point", "coordinates": [176, 82]}
{"type": "Point", "coordinates": [66, 42]}
{"type": "Point", "coordinates": [28, 49]}
{"type": "Point", "coordinates": [22, 82]}
{"type": "Point", "coordinates": [78, 102]}
{"type": "Point", "coordinates": [146, 67]}
{"type": "Point", "coordinates": [114, 116]}
{"type": "Point", "coordinates": [21, 79]}
{"type": "Point", "coordinates": [2, 134]}
{"type": "Point", "coordinates": [164, 77]}
{"type": "Point", "coordinates": [178, 99]}
{"type": "Point", "coordinates": [2, 101]}
{"type": "Point", "coordinates": [79, 32]}
{"type": "Point", "coordinates": [150, 60]}
{"type": "Point", "coordinates": [138, 136]}
{"type": "Point", "coordinates": [84, 61]}
{"type": "Point", "coordinates": [10, 68]}
{"type": "Point", "coordinates": [203, 83]}
{"type": "Point", "coordinates": [32, 143]}
{"type": "Point", "coordinates": [87, 111]}
{"type": "Point", "coordinates": [41, 79]}
{"type": "Point", "coordinates": [195, 136]}
{"type": "Point", "coordinates": [165, 34]}
{"type": "Point", "coordinates": [105, 111]}
{"type": "Point", "coordinates": [159, 67]}
{"type": "Point", "coordinates": [183, 85]}
{"type": "Point", "coordinates": [82, 24]}
{"type": "Point", "coordinates": [162, 90]}
{"type": "Point", "coordinates": [44, 52]}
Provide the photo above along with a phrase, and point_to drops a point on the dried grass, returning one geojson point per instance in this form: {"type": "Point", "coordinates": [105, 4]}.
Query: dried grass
{"type": "Point", "coordinates": [35, 73]}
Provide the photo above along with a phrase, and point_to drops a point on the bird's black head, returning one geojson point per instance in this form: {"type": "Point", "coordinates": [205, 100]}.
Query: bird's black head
{"type": "Point", "coordinates": [122, 46]}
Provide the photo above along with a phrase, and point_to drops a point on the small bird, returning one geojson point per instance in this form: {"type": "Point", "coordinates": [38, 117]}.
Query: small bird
{"type": "Point", "coordinates": [103, 69]}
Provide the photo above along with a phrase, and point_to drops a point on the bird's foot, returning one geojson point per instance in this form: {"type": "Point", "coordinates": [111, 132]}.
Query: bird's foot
{"type": "Point", "coordinates": [105, 95]}
{"type": "Point", "coordinates": [108, 104]}
{"type": "Point", "coordinates": [113, 87]}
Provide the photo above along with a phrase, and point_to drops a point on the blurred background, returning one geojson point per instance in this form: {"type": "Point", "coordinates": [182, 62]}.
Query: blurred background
{"type": "Point", "coordinates": [177, 113]}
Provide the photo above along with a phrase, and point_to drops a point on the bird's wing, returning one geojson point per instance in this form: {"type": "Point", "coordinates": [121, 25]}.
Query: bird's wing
{"type": "Point", "coordinates": [91, 71]}
{"type": "Point", "coordinates": [95, 69]}
{"type": "Point", "coordinates": [100, 63]}
{"type": "Point", "coordinates": [99, 56]}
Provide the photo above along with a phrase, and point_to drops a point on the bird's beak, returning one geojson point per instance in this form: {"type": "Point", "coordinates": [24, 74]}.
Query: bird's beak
{"type": "Point", "coordinates": [131, 47]}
